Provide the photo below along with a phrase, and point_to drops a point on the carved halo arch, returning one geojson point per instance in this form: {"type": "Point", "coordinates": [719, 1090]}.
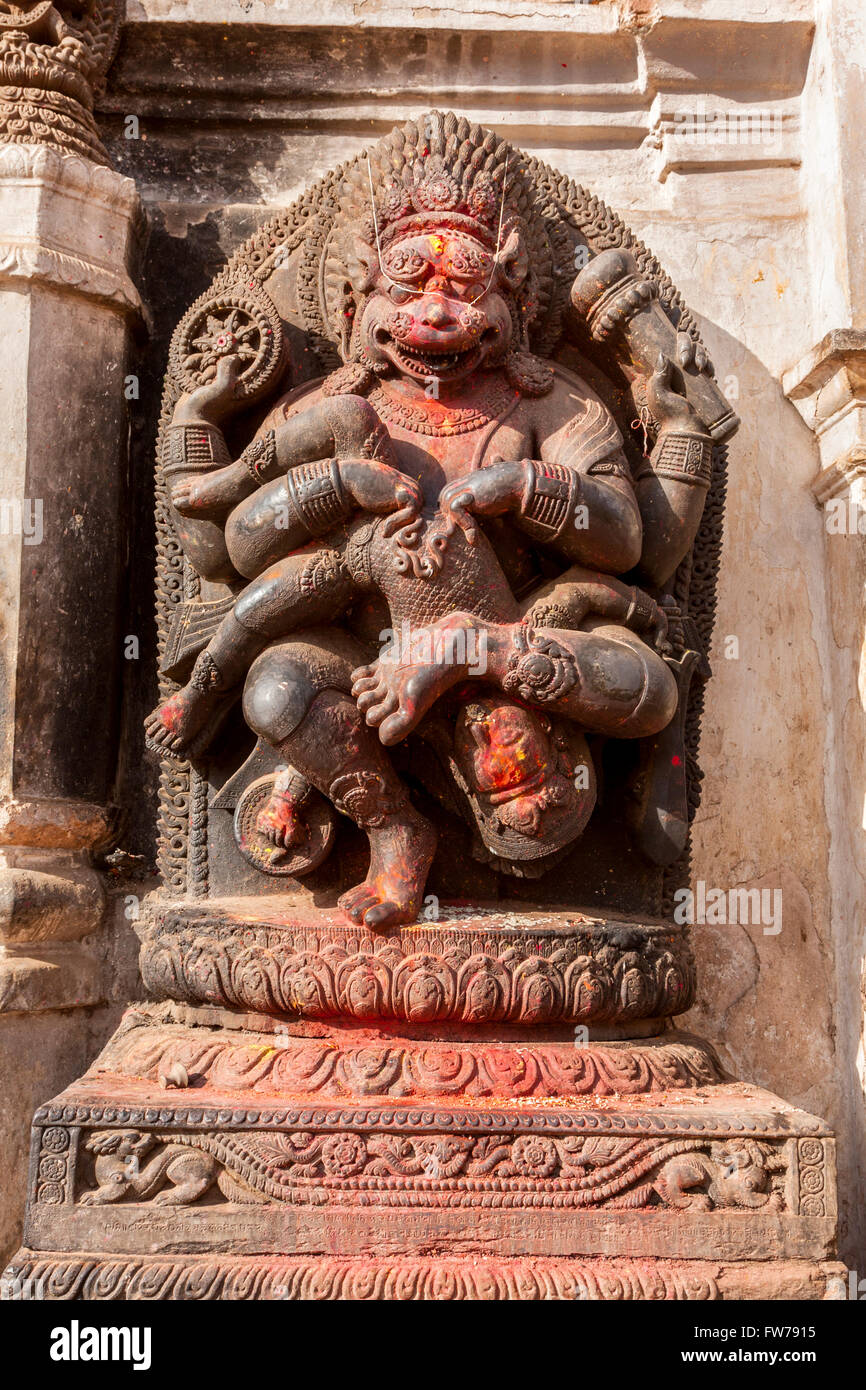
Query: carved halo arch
{"type": "Point", "coordinates": [281, 297]}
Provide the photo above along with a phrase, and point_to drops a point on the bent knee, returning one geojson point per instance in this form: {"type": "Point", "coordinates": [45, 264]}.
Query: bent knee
{"type": "Point", "coordinates": [659, 703]}
{"type": "Point", "coordinates": [256, 532]}
{"type": "Point", "coordinates": [277, 695]}
{"type": "Point", "coordinates": [262, 604]}
{"type": "Point", "coordinates": [352, 419]}
{"type": "Point", "coordinates": [629, 687]}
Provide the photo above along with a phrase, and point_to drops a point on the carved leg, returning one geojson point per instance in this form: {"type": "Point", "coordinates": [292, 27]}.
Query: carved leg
{"type": "Point", "coordinates": [566, 603]}
{"type": "Point", "coordinates": [338, 754]}
{"type": "Point", "coordinates": [101, 1195]}
{"type": "Point", "coordinates": [312, 587]}
{"type": "Point", "coordinates": [606, 679]}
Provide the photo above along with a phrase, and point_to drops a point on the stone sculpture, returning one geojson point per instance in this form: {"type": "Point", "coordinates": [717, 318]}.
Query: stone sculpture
{"type": "Point", "coordinates": [440, 488]}
{"type": "Point", "coordinates": [448, 485]}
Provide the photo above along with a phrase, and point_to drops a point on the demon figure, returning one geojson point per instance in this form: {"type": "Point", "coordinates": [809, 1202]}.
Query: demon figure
{"type": "Point", "coordinates": [440, 540]}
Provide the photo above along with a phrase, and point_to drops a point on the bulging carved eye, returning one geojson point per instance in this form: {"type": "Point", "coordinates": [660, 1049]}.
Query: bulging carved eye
{"type": "Point", "coordinates": [400, 295]}
{"type": "Point", "coordinates": [404, 260]}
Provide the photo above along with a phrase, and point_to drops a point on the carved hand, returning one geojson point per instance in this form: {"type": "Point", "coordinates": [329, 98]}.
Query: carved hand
{"type": "Point", "coordinates": [215, 400]}
{"type": "Point", "coordinates": [376, 487]}
{"type": "Point", "coordinates": [670, 409]}
{"type": "Point", "coordinates": [489, 491]}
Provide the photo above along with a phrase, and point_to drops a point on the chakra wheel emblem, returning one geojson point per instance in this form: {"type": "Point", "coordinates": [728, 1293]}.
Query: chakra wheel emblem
{"type": "Point", "coordinates": [238, 320]}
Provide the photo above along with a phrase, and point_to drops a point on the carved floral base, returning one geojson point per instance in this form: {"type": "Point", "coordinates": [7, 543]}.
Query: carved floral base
{"type": "Point", "coordinates": [186, 1278]}
{"type": "Point", "coordinates": [481, 966]}
{"type": "Point", "coordinates": [207, 1155]}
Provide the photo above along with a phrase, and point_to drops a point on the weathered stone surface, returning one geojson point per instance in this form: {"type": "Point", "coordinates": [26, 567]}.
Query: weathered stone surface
{"type": "Point", "coordinates": [473, 1277]}
{"type": "Point", "coordinates": [768, 257]}
{"type": "Point", "coordinates": [257, 1053]}
{"type": "Point", "coordinates": [41, 1048]}
{"type": "Point", "coordinates": [725, 1173]}
{"type": "Point", "coordinates": [44, 898]}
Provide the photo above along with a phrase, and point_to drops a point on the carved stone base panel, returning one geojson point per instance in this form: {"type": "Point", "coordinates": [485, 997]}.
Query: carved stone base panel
{"type": "Point", "coordinates": [357, 1063]}
{"type": "Point", "coordinates": [724, 1172]}
{"type": "Point", "coordinates": [214, 1278]}
{"type": "Point", "coordinates": [275, 956]}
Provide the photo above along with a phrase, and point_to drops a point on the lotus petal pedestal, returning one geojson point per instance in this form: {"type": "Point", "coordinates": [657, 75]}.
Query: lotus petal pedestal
{"type": "Point", "coordinates": [456, 1110]}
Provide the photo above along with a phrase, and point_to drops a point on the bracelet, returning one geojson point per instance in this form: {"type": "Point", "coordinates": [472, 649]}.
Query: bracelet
{"type": "Point", "coordinates": [206, 676]}
{"type": "Point", "coordinates": [366, 797]}
{"type": "Point", "coordinates": [260, 457]}
{"type": "Point", "coordinates": [548, 500]}
{"type": "Point", "coordinates": [687, 457]}
{"type": "Point", "coordinates": [194, 448]}
{"type": "Point", "coordinates": [316, 495]}
{"type": "Point", "coordinates": [642, 609]}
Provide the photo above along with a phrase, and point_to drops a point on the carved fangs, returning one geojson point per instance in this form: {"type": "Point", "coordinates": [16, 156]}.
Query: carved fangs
{"type": "Point", "coordinates": [432, 363]}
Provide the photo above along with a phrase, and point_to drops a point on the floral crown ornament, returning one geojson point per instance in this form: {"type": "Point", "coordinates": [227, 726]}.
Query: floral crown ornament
{"type": "Point", "coordinates": [437, 197]}
{"type": "Point", "coordinates": [438, 168]}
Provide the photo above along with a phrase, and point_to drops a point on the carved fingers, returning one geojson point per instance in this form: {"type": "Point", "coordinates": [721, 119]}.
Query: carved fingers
{"type": "Point", "coordinates": [217, 398]}
{"type": "Point", "coordinates": [488, 491]}
{"type": "Point", "coordinates": [669, 407]}
{"type": "Point", "coordinates": [456, 502]}
{"type": "Point", "coordinates": [379, 488]}
{"type": "Point", "coordinates": [692, 353]}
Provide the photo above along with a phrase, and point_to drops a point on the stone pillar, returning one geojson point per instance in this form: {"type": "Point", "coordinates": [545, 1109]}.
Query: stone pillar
{"type": "Point", "coordinates": [828, 387]}
{"type": "Point", "coordinates": [67, 234]}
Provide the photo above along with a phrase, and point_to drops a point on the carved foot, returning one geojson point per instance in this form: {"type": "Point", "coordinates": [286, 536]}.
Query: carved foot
{"type": "Point", "coordinates": [180, 723]}
{"type": "Point", "coordinates": [395, 692]}
{"type": "Point", "coordinates": [401, 853]}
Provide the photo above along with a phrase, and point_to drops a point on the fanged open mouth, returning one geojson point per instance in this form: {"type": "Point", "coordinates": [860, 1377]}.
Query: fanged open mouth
{"type": "Point", "coordinates": [435, 364]}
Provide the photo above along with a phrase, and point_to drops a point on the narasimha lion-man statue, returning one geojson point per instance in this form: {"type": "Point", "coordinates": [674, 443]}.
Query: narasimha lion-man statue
{"type": "Point", "coordinates": [446, 545]}
{"type": "Point", "coordinates": [440, 489]}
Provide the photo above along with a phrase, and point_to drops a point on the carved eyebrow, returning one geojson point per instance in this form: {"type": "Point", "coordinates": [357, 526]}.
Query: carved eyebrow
{"type": "Point", "coordinates": [400, 251]}
{"type": "Point", "coordinates": [404, 263]}
{"type": "Point", "coordinates": [477, 262]}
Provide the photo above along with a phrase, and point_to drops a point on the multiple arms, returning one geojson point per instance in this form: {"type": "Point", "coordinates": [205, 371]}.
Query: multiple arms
{"type": "Point", "coordinates": [335, 458]}
{"type": "Point", "coordinates": [599, 518]}
{"type": "Point", "coordinates": [672, 486]}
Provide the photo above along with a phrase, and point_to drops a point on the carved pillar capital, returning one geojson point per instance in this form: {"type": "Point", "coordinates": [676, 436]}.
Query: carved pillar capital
{"type": "Point", "coordinates": [67, 223]}
{"type": "Point", "coordinates": [53, 56]}
{"type": "Point", "coordinates": [828, 388]}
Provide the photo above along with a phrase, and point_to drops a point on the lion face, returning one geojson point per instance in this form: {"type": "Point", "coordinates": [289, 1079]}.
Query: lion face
{"type": "Point", "coordinates": [437, 308]}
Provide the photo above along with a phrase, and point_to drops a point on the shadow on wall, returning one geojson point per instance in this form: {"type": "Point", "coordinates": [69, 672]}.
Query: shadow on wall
{"type": "Point", "coordinates": [778, 972]}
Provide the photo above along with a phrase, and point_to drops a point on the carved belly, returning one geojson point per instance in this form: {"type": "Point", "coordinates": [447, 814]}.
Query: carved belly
{"type": "Point", "coordinates": [425, 573]}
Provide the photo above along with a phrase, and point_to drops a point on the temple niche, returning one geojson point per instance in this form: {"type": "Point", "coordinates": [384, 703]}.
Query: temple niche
{"type": "Point", "coordinates": [440, 483]}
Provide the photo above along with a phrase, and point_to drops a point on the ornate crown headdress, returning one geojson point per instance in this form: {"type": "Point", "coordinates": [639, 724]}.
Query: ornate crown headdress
{"type": "Point", "coordinates": [437, 170]}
